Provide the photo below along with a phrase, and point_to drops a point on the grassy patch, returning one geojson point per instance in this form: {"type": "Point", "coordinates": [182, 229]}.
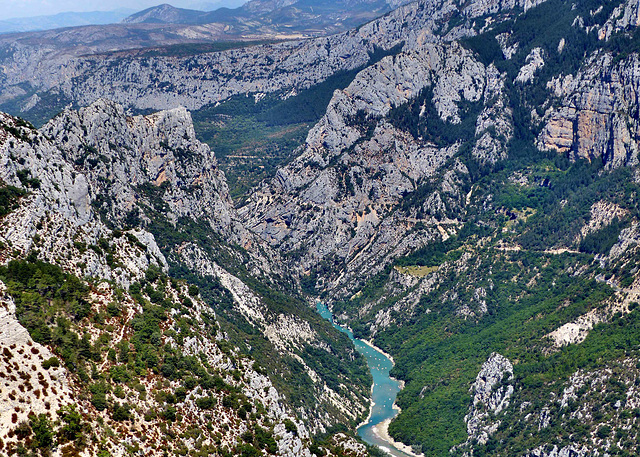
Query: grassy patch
{"type": "Point", "coordinates": [416, 270]}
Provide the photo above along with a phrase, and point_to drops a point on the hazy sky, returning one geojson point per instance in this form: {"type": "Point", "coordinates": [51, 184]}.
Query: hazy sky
{"type": "Point", "coordinates": [26, 8]}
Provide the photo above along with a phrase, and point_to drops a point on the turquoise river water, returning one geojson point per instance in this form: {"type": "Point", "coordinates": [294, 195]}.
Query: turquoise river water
{"type": "Point", "coordinates": [385, 388]}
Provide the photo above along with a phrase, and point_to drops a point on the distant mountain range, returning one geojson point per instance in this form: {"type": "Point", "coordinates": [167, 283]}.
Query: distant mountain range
{"type": "Point", "coordinates": [238, 14]}
{"type": "Point", "coordinates": [164, 26]}
{"type": "Point", "coordinates": [70, 19]}
{"type": "Point", "coordinates": [257, 14]}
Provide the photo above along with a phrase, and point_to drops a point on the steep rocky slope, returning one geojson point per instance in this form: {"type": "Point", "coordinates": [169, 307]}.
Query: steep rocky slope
{"type": "Point", "coordinates": [379, 140]}
{"type": "Point", "coordinates": [119, 348]}
{"type": "Point", "coordinates": [122, 154]}
{"type": "Point", "coordinates": [340, 197]}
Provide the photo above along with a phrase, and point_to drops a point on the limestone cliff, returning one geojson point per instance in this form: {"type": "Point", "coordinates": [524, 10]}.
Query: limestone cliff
{"type": "Point", "coordinates": [338, 198]}
{"type": "Point", "coordinates": [126, 158]}
{"type": "Point", "coordinates": [597, 115]}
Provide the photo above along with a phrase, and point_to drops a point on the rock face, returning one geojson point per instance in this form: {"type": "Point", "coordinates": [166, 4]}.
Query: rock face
{"type": "Point", "coordinates": [597, 117]}
{"type": "Point", "coordinates": [338, 197]}
{"type": "Point", "coordinates": [624, 17]}
{"type": "Point", "coordinates": [58, 209]}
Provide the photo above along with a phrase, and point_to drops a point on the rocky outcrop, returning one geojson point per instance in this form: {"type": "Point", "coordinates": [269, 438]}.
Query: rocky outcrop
{"type": "Point", "coordinates": [508, 48]}
{"type": "Point", "coordinates": [602, 214]}
{"type": "Point", "coordinates": [494, 125]}
{"type": "Point", "coordinates": [492, 392]}
{"type": "Point", "coordinates": [577, 331]}
{"type": "Point", "coordinates": [555, 451]}
{"type": "Point", "coordinates": [56, 217]}
{"type": "Point", "coordinates": [535, 61]}
{"type": "Point", "coordinates": [624, 17]}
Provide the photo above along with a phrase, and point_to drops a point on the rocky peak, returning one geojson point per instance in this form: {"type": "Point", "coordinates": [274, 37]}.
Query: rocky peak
{"type": "Point", "coordinates": [535, 61]}
{"type": "Point", "coordinates": [55, 218]}
{"type": "Point", "coordinates": [151, 160]}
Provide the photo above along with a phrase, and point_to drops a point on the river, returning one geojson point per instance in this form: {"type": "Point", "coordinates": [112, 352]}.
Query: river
{"type": "Point", "coordinates": [384, 392]}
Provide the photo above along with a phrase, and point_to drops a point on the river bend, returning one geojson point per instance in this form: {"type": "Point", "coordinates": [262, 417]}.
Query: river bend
{"type": "Point", "coordinates": [384, 392]}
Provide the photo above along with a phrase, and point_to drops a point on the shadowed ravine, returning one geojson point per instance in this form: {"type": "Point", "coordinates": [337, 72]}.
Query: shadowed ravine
{"type": "Point", "coordinates": [385, 389]}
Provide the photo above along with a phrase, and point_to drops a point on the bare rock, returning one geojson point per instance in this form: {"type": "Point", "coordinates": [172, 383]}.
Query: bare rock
{"type": "Point", "coordinates": [535, 61]}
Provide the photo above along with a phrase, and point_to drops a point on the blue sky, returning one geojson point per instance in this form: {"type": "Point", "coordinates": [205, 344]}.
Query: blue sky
{"type": "Point", "coordinates": [26, 8]}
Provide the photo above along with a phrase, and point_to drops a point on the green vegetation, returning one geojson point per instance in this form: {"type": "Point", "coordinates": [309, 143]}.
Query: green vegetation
{"type": "Point", "coordinates": [41, 292]}
{"type": "Point", "coordinates": [27, 181]}
{"type": "Point", "coordinates": [247, 149]}
{"type": "Point", "coordinates": [416, 270]}
{"type": "Point", "coordinates": [505, 301]}
{"type": "Point", "coordinates": [9, 198]}
{"type": "Point", "coordinates": [340, 367]}
{"type": "Point", "coordinates": [601, 241]}
{"type": "Point", "coordinates": [39, 434]}
{"type": "Point", "coordinates": [420, 118]}
{"type": "Point", "coordinates": [440, 365]}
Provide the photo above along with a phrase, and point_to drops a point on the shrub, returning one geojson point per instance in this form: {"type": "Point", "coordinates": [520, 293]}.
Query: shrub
{"type": "Point", "coordinates": [113, 309]}
{"type": "Point", "coordinates": [169, 413]}
{"type": "Point", "coordinates": [51, 362]}
{"type": "Point", "coordinates": [121, 412]}
{"type": "Point", "coordinates": [23, 430]}
{"type": "Point", "coordinates": [72, 427]}
{"type": "Point", "coordinates": [42, 431]}
{"type": "Point", "coordinates": [99, 395]}
{"type": "Point", "coordinates": [604, 432]}
{"type": "Point", "coordinates": [206, 402]}
{"type": "Point", "coordinates": [194, 291]}
{"type": "Point", "coordinates": [290, 426]}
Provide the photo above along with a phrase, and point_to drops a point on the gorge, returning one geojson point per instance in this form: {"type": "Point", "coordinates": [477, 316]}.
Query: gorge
{"type": "Point", "coordinates": [457, 182]}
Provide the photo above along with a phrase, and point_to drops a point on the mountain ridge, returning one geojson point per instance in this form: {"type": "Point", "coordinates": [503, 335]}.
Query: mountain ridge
{"type": "Point", "coordinates": [60, 20]}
